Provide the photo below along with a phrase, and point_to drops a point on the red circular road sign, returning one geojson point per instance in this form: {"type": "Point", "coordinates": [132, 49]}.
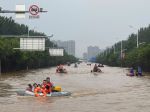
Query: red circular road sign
{"type": "Point", "coordinates": [34, 9]}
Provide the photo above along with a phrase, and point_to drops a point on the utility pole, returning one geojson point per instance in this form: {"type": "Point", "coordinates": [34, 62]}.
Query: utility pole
{"type": "Point", "coordinates": [137, 42]}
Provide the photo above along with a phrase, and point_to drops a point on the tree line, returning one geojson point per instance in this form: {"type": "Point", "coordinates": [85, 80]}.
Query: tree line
{"type": "Point", "coordinates": [12, 60]}
{"type": "Point", "coordinates": [131, 56]}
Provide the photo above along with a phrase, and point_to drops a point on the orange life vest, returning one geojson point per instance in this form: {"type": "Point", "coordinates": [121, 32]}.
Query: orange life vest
{"type": "Point", "coordinates": [38, 90]}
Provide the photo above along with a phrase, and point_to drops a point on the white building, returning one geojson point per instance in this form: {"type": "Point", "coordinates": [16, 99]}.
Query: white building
{"type": "Point", "coordinates": [92, 51]}
{"type": "Point", "coordinates": [85, 56]}
{"type": "Point", "coordinates": [69, 46]}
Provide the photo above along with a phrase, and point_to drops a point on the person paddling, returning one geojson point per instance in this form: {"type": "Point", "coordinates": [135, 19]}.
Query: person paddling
{"type": "Point", "coordinates": [96, 69]}
{"type": "Point", "coordinates": [38, 89]}
{"type": "Point", "coordinates": [49, 85]}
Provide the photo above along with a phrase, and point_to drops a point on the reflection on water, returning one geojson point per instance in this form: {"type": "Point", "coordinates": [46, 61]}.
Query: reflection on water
{"type": "Point", "coordinates": [110, 91]}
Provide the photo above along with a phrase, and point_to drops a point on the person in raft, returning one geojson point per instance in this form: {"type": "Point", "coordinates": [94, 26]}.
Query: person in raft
{"type": "Point", "coordinates": [38, 89]}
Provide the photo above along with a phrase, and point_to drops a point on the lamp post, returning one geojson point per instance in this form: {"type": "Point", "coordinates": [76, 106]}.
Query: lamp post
{"type": "Point", "coordinates": [122, 50]}
{"type": "Point", "coordinates": [122, 54]}
{"type": "Point", "coordinates": [137, 40]}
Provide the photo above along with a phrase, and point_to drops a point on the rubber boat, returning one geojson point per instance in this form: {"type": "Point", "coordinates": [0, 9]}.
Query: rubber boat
{"type": "Point", "coordinates": [89, 64]}
{"type": "Point", "coordinates": [129, 74]}
{"type": "Point", "coordinates": [98, 71]}
{"type": "Point", "coordinates": [56, 91]}
{"type": "Point", "coordinates": [61, 71]}
{"type": "Point", "coordinates": [53, 94]}
{"type": "Point", "coordinates": [100, 65]}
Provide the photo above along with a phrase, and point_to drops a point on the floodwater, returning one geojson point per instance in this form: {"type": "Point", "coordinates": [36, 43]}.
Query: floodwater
{"type": "Point", "coordinates": [110, 91]}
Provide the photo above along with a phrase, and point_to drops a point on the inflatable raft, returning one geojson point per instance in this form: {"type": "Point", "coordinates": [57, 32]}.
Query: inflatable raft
{"type": "Point", "coordinates": [61, 71]}
{"type": "Point", "coordinates": [53, 94]}
{"type": "Point", "coordinates": [99, 71]}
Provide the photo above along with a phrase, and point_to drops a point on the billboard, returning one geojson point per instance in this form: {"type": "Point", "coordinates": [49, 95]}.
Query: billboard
{"type": "Point", "coordinates": [56, 52]}
{"type": "Point", "coordinates": [20, 8]}
{"type": "Point", "coordinates": [32, 44]}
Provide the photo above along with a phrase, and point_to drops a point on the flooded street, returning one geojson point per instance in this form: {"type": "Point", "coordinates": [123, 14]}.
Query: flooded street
{"type": "Point", "coordinates": [111, 91]}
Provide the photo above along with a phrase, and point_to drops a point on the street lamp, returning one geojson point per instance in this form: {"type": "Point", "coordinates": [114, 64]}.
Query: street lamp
{"type": "Point", "coordinates": [137, 41]}
{"type": "Point", "coordinates": [122, 50]}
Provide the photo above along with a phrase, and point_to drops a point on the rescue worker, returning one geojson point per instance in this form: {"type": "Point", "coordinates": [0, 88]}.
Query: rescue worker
{"type": "Point", "coordinates": [44, 83]}
{"type": "Point", "coordinates": [49, 85]}
{"type": "Point", "coordinates": [38, 89]}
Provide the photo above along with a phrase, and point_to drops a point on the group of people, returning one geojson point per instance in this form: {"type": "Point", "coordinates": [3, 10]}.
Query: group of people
{"type": "Point", "coordinates": [133, 72]}
{"type": "Point", "coordinates": [61, 69]}
{"type": "Point", "coordinates": [45, 87]}
{"type": "Point", "coordinates": [100, 65]}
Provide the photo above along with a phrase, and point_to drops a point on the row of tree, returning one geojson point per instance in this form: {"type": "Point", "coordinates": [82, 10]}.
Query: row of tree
{"type": "Point", "coordinates": [18, 60]}
{"type": "Point", "coordinates": [130, 55]}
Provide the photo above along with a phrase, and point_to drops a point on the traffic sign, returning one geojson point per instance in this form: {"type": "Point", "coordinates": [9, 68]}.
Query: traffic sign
{"type": "Point", "coordinates": [34, 10]}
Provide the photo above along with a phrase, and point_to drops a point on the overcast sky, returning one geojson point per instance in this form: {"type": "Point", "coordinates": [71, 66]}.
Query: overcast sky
{"type": "Point", "coordinates": [88, 22]}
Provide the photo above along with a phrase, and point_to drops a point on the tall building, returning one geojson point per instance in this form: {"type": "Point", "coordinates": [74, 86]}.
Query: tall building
{"type": "Point", "coordinates": [85, 56]}
{"type": "Point", "coordinates": [69, 46]}
{"type": "Point", "coordinates": [92, 51]}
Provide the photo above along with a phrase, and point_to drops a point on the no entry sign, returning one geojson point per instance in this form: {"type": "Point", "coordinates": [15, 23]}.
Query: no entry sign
{"type": "Point", "coordinates": [34, 10]}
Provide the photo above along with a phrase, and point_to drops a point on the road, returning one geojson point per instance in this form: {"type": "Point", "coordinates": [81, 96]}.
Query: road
{"type": "Point", "coordinates": [110, 91]}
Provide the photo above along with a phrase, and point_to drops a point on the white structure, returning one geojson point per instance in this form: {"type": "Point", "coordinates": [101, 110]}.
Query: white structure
{"type": "Point", "coordinates": [56, 52]}
{"type": "Point", "coordinates": [69, 46]}
{"type": "Point", "coordinates": [32, 44]}
{"type": "Point", "coordinates": [20, 8]}
{"type": "Point", "coordinates": [85, 56]}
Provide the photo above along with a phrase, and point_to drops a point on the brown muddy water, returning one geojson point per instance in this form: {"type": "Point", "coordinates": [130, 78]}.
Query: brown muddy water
{"type": "Point", "coordinates": [111, 91]}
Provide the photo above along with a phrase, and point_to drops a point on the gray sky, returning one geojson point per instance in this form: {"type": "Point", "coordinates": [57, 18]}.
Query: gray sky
{"type": "Point", "coordinates": [88, 22]}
